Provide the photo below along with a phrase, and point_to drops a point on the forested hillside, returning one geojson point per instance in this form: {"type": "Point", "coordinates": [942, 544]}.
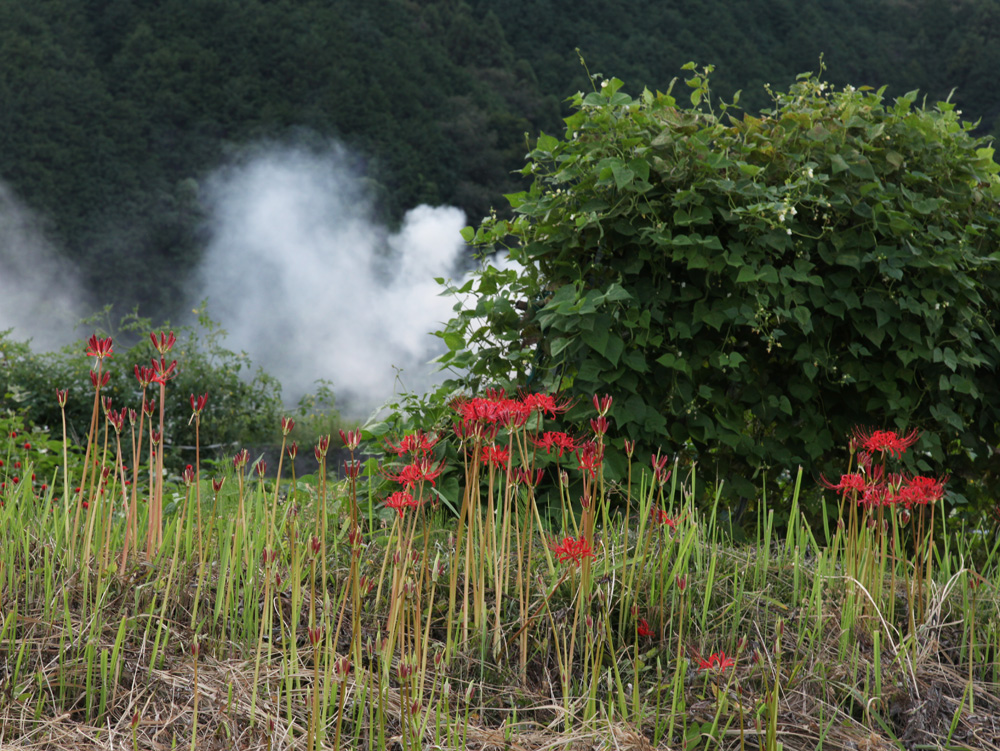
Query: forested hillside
{"type": "Point", "coordinates": [112, 112]}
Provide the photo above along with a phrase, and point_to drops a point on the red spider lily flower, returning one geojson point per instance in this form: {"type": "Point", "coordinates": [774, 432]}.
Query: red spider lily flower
{"type": "Point", "coordinates": [417, 444]}
{"type": "Point", "coordinates": [852, 482]}
{"type": "Point", "coordinates": [261, 468]}
{"type": "Point", "coordinates": [117, 419]}
{"type": "Point", "coordinates": [602, 404]}
{"type": "Point", "coordinates": [599, 425]}
{"type": "Point", "coordinates": [105, 377]}
{"type": "Point", "coordinates": [498, 456]}
{"type": "Point", "coordinates": [217, 483]}
{"type": "Point", "coordinates": [920, 491]}
{"type": "Point", "coordinates": [61, 396]}
{"type": "Point", "coordinates": [643, 629]}
{"type": "Point", "coordinates": [164, 343]}
{"type": "Point", "coordinates": [287, 424]}
{"type": "Point", "coordinates": [682, 582]}
{"type": "Point", "coordinates": [420, 470]}
{"type": "Point", "coordinates": [99, 348]}
{"type": "Point", "coordinates": [106, 404]}
{"type": "Point", "coordinates": [241, 459]}
{"type": "Point", "coordinates": [144, 375]}
{"type": "Point", "coordinates": [352, 469]}
{"type": "Point", "coordinates": [149, 407]}
{"type": "Point", "coordinates": [660, 472]}
{"type": "Point", "coordinates": [561, 442]}
{"type": "Point", "coordinates": [885, 441]}
{"type": "Point", "coordinates": [322, 446]}
{"type": "Point", "coordinates": [716, 661]}
{"type": "Point", "coordinates": [877, 494]}
{"type": "Point", "coordinates": [198, 403]}
{"type": "Point", "coordinates": [545, 403]}
{"type": "Point", "coordinates": [161, 371]}
{"type": "Point", "coordinates": [591, 456]}
{"type": "Point", "coordinates": [512, 414]}
{"type": "Point", "coordinates": [526, 477]}
{"type": "Point", "coordinates": [292, 450]}
{"type": "Point", "coordinates": [188, 476]}
{"type": "Point", "coordinates": [573, 551]}
{"type": "Point", "coordinates": [400, 501]}
{"type": "Point", "coordinates": [131, 416]}
{"type": "Point", "coordinates": [155, 437]}
{"type": "Point", "coordinates": [27, 447]}
{"type": "Point", "coordinates": [660, 517]}
{"type": "Point", "coordinates": [351, 439]}
{"type": "Point", "coordinates": [629, 448]}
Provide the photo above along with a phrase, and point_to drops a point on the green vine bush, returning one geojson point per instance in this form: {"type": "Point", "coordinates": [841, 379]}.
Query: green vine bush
{"type": "Point", "coordinates": [749, 288]}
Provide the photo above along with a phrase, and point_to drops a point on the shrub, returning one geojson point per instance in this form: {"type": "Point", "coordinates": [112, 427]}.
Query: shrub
{"type": "Point", "coordinates": [751, 287]}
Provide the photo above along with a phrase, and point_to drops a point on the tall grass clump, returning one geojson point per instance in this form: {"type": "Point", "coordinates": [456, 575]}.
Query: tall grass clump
{"type": "Point", "coordinates": [480, 586]}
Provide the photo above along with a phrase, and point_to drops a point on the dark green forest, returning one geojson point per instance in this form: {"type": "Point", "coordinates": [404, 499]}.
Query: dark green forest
{"type": "Point", "coordinates": [113, 112]}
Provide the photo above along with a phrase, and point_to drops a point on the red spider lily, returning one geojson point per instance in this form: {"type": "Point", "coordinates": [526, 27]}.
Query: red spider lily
{"type": "Point", "coordinates": [513, 414]}
{"type": "Point", "coordinates": [287, 424]}
{"type": "Point", "coordinates": [591, 456]}
{"type": "Point", "coordinates": [322, 446]}
{"type": "Point", "coordinates": [217, 484]}
{"type": "Point", "coordinates": [99, 348]}
{"type": "Point", "coordinates": [351, 439]}
{"type": "Point", "coordinates": [660, 472]}
{"type": "Point", "coordinates": [885, 441]}
{"type": "Point", "coordinates": [682, 582]}
{"type": "Point", "coordinates": [400, 501]}
{"type": "Point", "coordinates": [561, 442]}
{"type": "Point", "coordinates": [106, 404]}
{"type": "Point", "coordinates": [198, 403]}
{"type": "Point", "coordinates": [546, 403]}
{"type": "Point", "coordinates": [105, 377]}
{"type": "Point", "coordinates": [144, 375]}
{"type": "Point", "coordinates": [629, 448]}
{"type": "Point", "coordinates": [599, 425]}
{"type": "Point", "coordinates": [854, 482]}
{"type": "Point", "coordinates": [643, 629]}
{"type": "Point", "coordinates": [188, 476]}
{"type": "Point", "coordinates": [261, 468]}
{"type": "Point", "coordinates": [526, 477]}
{"type": "Point", "coordinates": [155, 436]}
{"type": "Point", "coordinates": [131, 416]}
{"type": "Point", "coordinates": [149, 407]}
{"type": "Point", "coordinates": [660, 517]}
{"type": "Point", "coordinates": [292, 450]}
{"type": "Point", "coordinates": [573, 551]}
{"type": "Point", "coordinates": [164, 343]}
{"type": "Point", "coordinates": [27, 447]}
{"type": "Point", "coordinates": [117, 419]}
{"type": "Point", "coordinates": [602, 404]}
{"type": "Point", "coordinates": [61, 396]}
{"type": "Point", "coordinates": [161, 371]}
{"type": "Point", "coordinates": [352, 469]}
{"type": "Point", "coordinates": [920, 491]}
{"type": "Point", "coordinates": [420, 470]}
{"type": "Point", "coordinates": [498, 456]}
{"type": "Point", "coordinates": [716, 661]}
{"type": "Point", "coordinates": [418, 444]}
{"type": "Point", "coordinates": [241, 459]}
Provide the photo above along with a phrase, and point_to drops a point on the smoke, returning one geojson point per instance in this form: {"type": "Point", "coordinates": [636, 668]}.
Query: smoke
{"type": "Point", "coordinates": [306, 283]}
{"type": "Point", "coordinates": [40, 297]}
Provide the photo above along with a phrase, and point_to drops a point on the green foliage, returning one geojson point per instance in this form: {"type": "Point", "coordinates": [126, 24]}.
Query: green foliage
{"type": "Point", "coordinates": [243, 406]}
{"type": "Point", "coordinates": [751, 288]}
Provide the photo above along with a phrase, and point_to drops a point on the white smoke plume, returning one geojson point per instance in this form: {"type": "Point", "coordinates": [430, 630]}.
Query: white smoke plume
{"type": "Point", "coordinates": [310, 287]}
{"type": "Point", "coordinates": [40, 298]}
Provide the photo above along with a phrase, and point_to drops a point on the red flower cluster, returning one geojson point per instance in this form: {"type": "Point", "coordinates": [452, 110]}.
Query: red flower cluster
{"type": "Point", "coordinates": [554, 440]}
{"type": "Point", "coordinates": [420, 470]}
{"type": "Point", "coordinates": [400, 501]}
{"type": "Point", "coordinates": [417, 444]}
{"type": "Point", "coordinates": [884, 441]}
{"type": "Point", "coordinates": [716, 661]}
{"type": "Point", "coordinates": [573, 551]}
